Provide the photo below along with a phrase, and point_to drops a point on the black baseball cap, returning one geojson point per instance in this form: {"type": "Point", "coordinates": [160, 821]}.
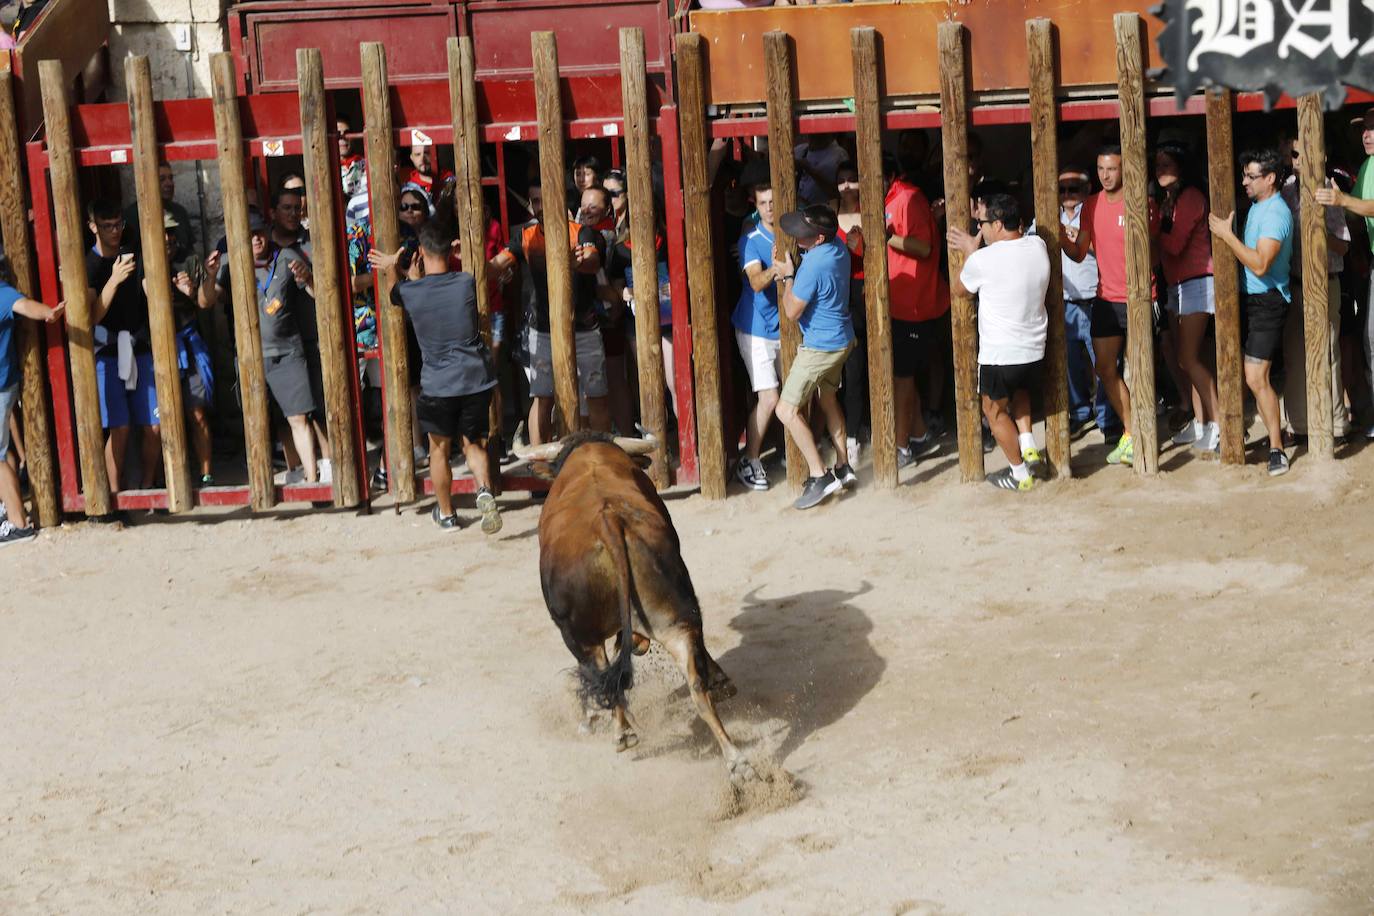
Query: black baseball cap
{"type": "Point", "coordinates": [256, 222]}
{"type": "Point", "coordinates": [817, 219]}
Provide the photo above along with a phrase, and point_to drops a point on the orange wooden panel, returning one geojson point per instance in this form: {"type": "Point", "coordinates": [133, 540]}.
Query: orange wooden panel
{"type": "Point", "coordinates": [997, 44]}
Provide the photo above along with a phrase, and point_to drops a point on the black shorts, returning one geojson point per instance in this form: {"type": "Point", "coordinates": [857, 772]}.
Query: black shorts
{"type": "Point", "coordinates": [465, 415]}
{"type": "Point", "coordinates": [1265, 314]}
{"type": "Point", "coordinates": [288, 378]}
{"type": "Point", "coordinates": [1000, 382]}
{"type": "Point", "coordinates": [914, 345]}
{"type": "Point", "coordinates": [1109, 319]}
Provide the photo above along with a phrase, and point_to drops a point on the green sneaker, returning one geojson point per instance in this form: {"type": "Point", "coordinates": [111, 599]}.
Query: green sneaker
{"type": "Point", "coordinates": [1035, 461]}
{"type": "Point", "coordinates": [1124, 453]}
{"type": "Point", "coordinates": [1006, 480]}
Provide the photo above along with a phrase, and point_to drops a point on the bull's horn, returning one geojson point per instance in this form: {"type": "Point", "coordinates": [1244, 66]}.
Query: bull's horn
{"type": "Point", "coordinates": [546, 452]}
{"type": "Point", "coordinates": [636, 446]}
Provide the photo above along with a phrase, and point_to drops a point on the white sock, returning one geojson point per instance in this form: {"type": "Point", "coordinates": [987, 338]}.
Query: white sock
{"type": "Point", "coordinates": [904, 452]}
{"type": "Point", "coordinates": [1020, 472]}
{"type": "Point", "coordinates": [1027, 440]}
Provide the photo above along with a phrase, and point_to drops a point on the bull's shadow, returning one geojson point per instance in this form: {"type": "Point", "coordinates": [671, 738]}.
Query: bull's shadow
{"type": "Point", "coordinates": [805, 659]}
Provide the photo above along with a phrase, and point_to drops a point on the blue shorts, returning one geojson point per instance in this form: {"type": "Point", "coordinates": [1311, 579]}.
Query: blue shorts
{"type": "Point", "coordinates": [498, 327]}
{"type": "Point", "coordinates": [119, 406]}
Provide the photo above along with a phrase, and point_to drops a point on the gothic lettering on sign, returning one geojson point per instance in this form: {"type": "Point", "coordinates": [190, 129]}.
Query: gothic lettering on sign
{"type": "Point", "coordinates": [1293, 46]}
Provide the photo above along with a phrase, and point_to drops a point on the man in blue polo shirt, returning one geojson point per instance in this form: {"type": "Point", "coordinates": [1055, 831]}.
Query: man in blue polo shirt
{"type": "Point", "coordinates": [816, 296]}
{"type": "Point", "coordinates": [1266, 253]}
{"type": "Point", "coordinates": [756, 333]}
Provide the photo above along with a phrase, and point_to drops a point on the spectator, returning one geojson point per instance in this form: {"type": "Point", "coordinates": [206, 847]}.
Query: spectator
{"type": "Point", "coordinates": [283, 279]}
{"type": "Point", "coordinates": [919, 303]}
{"type": "Point", "coordinates": [1080, 289]}
{"type": "Point", "coordinates": [29, 11]}
{"type": "Point", "coordinates": [1294, 332]}
{"type": "Point", "coordinates": [193, 356]}
{"type": "Point", "coordinates": [123, 347]}
{"type": "Point", "coordinates": [1009, 276]}
{"type": "Point", "coordinates": [1103, 233]}
{"type": "Point", "coordinates": [757, 334]}
{"type": "Point", "coordinates": [14, 521]}
{"type": "Point", "coordinates": [295, 181]}
{"type": "Point", "coordinates": [856, 401]}
{"type": "Point", "coordinates": [816, 296]}
{"type": "Point", "coordinates": [1186, 256]}
{"type": "Point", "coordinates": [456, 378]}
{"type": "Point", "coordinates": [421, 171]}
{"type": "Point", "coordinates": [1265, 253]}
{"type": "Point", "coordinates": [595, 212]}
{"type": "Point", "coordinates": [586, 173]}
{"type": "Point", "coordinates": [352, 167]}
{"type": "Point", "coordinates": [818, 157]}
{"type": "Point", "coordinates": [185, 233]}
{"type": "Point", "coordinates": [588, 254]}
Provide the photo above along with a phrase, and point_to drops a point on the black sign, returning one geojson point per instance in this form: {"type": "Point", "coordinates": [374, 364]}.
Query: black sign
{"type": "Point", "coordinates": [1269, 46]}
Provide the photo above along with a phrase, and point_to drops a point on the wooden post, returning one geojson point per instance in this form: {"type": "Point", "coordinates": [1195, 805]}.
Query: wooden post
{"type": "Point", "coordinates": [782, 139]}
{"type": "Point", "coordinates": [963, 318]}
{"type": "Point", "coordinates": [380, 149]}
{"type": "Point", "coordinates": [1226, 280]}
{"type": "Point", "coordinates": [1045, 157]}
{"type": "Point", "coordinates": [639, 184]}
{"type": "Point", "coordinates": [14, 224]}
{"type": "Point", "coordinates": [162, 325]}
{"type": "Point", "coordinates": [691, 82]}
{"type": "Point", "coordinates": [868, 135]}
{"type": "Point", "coordinates": [321, 179]}
{"type": "Point", "coordinates": [548, 102]}
{"type": "Point", "coordinates": [1139, 274]}
{"type": "Point", "coordinates": [1316, 318]}
{"type": "Point", "coordinates": [71, 253]}
{"type": "Point", "coordinates": [257, 427]}
{"type": "Point", "coordinates": [467, 154]}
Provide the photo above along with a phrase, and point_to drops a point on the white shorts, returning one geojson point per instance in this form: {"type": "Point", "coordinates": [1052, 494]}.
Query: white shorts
{"type": "Point", "coordinates": [1192, 297]}
{"type": "Point", "coordinates": [591, 364]}
{"type": "Point", "coordinates": [761, 358]}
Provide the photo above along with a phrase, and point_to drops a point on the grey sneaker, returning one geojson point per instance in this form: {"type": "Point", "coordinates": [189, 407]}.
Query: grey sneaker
{"type": "Point", "coordinates": [844, 473]}
{"type": "Point", "coordinates": [447, 523]}
{"type": "Point", "coordinates": [751, 473]}
{"type": "Point", "coordinates": [1278, 462]}
{"type": "Point", "coordinates": [904, 458]}
{"type": "Point", "coordinates": [12, 535]}
{"type": "Point", "coordinates": [817, 489]}
{"type": "Point", "coordinates": [491, 516]}
{"type": "Point", "coordinates": [925, 446]}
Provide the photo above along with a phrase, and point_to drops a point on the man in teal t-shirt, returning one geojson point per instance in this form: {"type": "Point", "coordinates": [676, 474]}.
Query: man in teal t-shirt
{"type": "Point", "coordinates": [1266, 253]}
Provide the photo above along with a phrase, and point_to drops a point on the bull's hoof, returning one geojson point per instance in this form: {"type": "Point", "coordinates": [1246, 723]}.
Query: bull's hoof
{"type": "Point", "coordinates": [626, 741]}
{"type": "Point", "coordinates": [742, 771]}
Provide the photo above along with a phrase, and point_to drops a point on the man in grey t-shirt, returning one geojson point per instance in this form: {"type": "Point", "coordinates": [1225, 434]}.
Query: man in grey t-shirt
{"type": "Point", "coordinates": [283, 279]}
{"type": "Point", "coordinates": [456, 375]}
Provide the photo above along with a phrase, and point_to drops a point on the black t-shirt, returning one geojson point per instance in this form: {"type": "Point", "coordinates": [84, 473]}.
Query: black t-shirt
{"type": "Point", "coordinates": [279, 301]}
{"type": "Point", "coordinates": [443, 310]}
{"type": "Point", "coordinates": [128, 311]}
{"type": "Point", "coordinates": [527, 244]}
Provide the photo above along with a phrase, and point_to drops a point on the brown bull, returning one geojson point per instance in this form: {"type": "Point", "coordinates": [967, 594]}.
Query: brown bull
{"type": "Point", "coordinates": [611, 566]}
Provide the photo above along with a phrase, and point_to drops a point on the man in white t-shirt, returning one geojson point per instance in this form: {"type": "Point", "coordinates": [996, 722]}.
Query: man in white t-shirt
{"type": "Point", "coordinates": [1009, 276]}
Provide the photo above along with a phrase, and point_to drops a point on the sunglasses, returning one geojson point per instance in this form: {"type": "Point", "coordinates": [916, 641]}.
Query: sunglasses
{"type": "Point", "coordinates": [413, 208]}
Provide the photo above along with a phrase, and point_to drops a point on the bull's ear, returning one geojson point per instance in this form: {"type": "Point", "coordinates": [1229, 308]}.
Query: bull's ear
{"type": "Point", "coordinates": [642, 461]}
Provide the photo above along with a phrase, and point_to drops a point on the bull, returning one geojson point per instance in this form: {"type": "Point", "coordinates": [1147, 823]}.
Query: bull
{"type": "Point", "coordinates": [610, 565]}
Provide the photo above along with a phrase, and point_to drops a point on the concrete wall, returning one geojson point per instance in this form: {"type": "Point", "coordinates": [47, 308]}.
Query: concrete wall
{"type": "Point", "coordinates": [150, 27]}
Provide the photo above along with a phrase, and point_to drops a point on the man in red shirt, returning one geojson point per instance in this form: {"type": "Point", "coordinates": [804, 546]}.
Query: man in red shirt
{"type": "Point", "coordinates": [422, 170]}
{"type": "Point", "coordinates": [1103, 232]}
{"type": "Point", "coordinates": [919, 305]}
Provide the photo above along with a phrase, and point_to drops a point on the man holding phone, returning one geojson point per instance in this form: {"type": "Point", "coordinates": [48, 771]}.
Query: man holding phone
{"type": "Point", "coordinates": [123, 346]}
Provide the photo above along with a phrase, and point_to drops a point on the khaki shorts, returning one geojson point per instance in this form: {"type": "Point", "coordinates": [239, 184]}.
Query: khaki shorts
{"type": "Point", "coordinates": [814, 370]}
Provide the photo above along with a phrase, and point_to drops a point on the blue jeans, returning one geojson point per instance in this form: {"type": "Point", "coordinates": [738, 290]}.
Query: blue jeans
{"type": "Point", "coordinates": [1078, 337]}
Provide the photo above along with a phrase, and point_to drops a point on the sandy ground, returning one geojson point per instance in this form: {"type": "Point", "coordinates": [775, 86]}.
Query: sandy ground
{"type": "Point", "coordinates": [1113, 695]}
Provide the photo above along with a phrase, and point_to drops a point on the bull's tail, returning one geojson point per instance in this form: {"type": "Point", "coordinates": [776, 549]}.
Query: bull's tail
{"type": "Point", "coordinates": [607, 688]}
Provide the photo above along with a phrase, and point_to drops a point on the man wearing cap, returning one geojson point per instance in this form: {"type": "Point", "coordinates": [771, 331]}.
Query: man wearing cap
{"type": "Point", "coordinates": [282, 280]}
{"type": "Point", "coordinates": [1361, 203]}
{"type": "Point", "coordinates": [816, 296]}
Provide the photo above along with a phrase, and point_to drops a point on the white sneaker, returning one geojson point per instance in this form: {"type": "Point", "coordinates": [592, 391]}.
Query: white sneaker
{"type": "Point", "coordinates": [1190, 433]}
{"type": "Point", "coordinates": [324, 471]}
{"type": "Point", "coordinates": [295, 475]}
{"type": "Point", "coordinates": [1210, 440]}
{"type": "Point", "coordinates": [851, 447]}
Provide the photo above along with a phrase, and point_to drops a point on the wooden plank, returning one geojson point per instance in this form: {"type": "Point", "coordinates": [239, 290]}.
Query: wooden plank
{"type": "Point", "coordinates": [71, 255]}
{"type": "Point", "coordinates": [963, 317]}
{"type": "Point", "coordinates": [14, 226]}
{"type": "Point", "coordinates": [333, 313]}
{"type": "Point", "coordinates": [467, 154]}
{"type": "Point", "coordinates": [558, 254]}
{"type": "Point", "coordinates": [386, 233]}
{"type": "Point", "coordinates": [157, 274]}
{"type": "Point", "coordinates": [710, 410]}
{"type": "Point", "coordinates": [1221, 159]}
{"type": "Point", "coordinates": [1045, 166]}
{"type": "Point", "coordinates": [782, 139]}
{"type": "Point", "coordinates": [257, 426]}
{"type": "Point", "coordinates": [1316, 320]}
{"type": "Point", "coordinates": [639, 185]}
{"type": "Point", "coordinates": [1135, 171]}
{"type": "Point", "coordinates": [868, 136]}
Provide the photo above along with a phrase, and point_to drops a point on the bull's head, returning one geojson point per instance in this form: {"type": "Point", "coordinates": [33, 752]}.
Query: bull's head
{"type": "Point", "coordinates": [544, 460]}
